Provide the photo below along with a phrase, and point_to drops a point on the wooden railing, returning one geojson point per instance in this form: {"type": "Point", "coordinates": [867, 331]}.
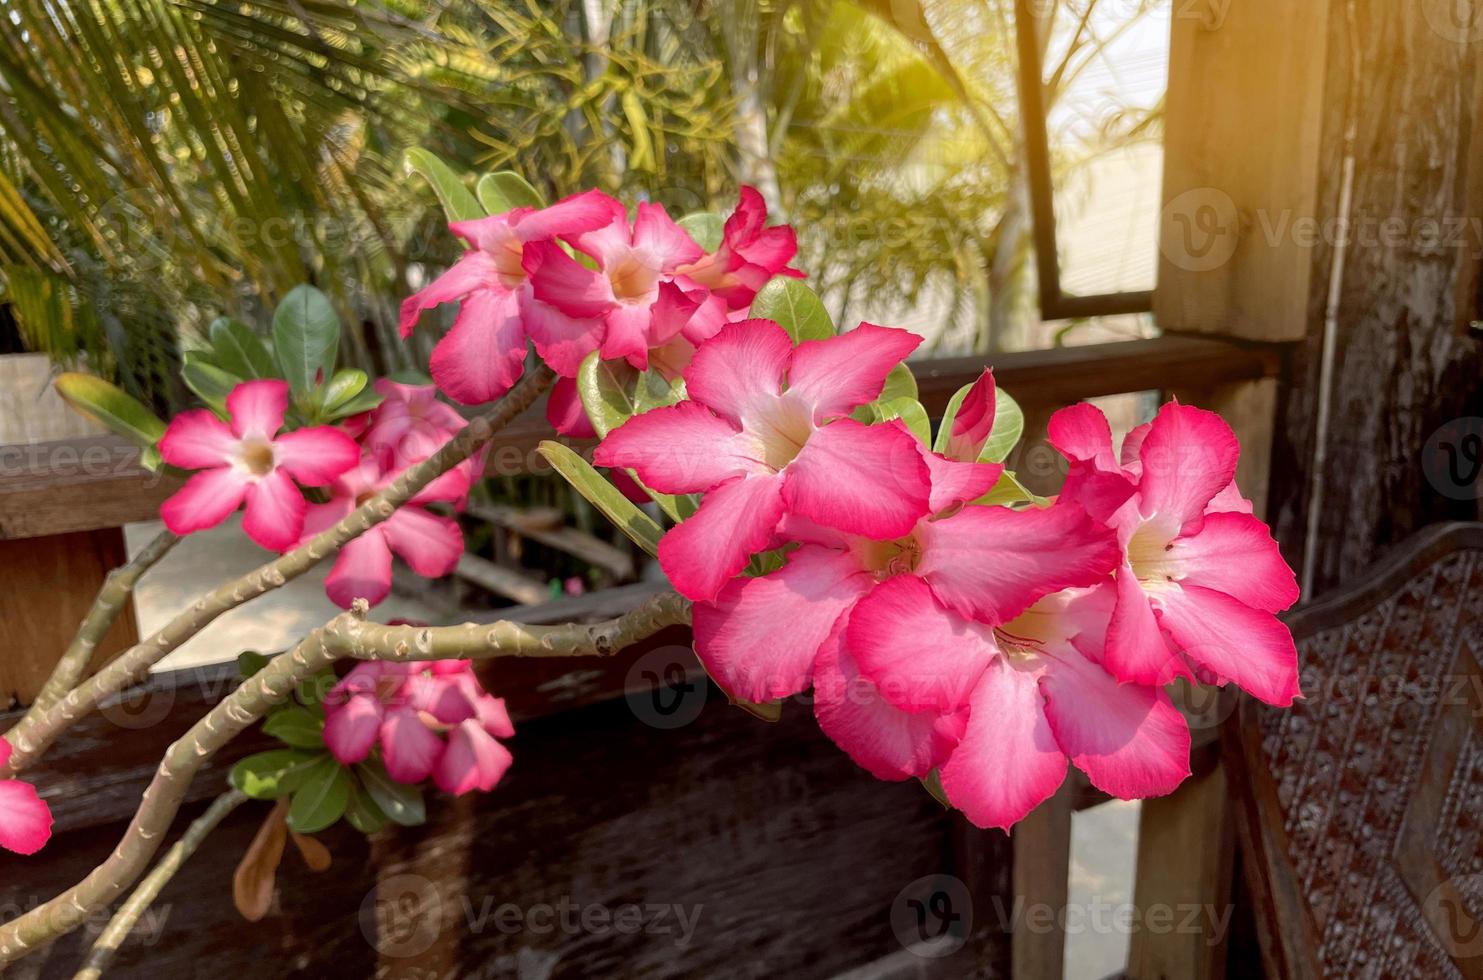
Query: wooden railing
{"type": "Point", "coordinates": [94, 777]}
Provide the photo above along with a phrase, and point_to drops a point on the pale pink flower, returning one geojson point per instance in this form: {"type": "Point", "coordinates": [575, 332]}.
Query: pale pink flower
{"type": "Point", "coordinates": [410, 425]}
{"type": "Point", "coordinates": [251, 462]}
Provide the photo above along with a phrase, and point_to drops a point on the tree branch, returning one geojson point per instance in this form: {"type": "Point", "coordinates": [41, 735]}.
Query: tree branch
{"type": "Point", "coordinates": [31, 736]}
{"type": "Point", "coordinates": [347, 635]}
{"type": "Point", "coordinates": [112, 598]}
{"type": "Point", "coordinates": [149, 889]}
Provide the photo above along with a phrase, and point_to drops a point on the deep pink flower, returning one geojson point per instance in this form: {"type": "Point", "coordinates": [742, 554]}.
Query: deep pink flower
{"type": "Point", "coordinates": [1040, 696]}
{"type": "Point", "coordinates": [429, 543]}
{"type": "Point", "coordinates": [764, 431]}
{"type": "Point", "coordinates": [250, 461]}
{"type": "Point", "coordinates": [1200, 579]}
{"type": "Point", "coordinates": [410, 425]}
{"type": "Point", "coordinates": [633, 291]}
{"type": "Point", "coordinates": [484, 354]}
{"type": "Point", "coordinates": [974, 421]}
{"type": "Point", "coordinates": [25, 819]}
{"type": "Point", "coordinates": [749, 256]}
{"type": "Point", "coordinates": [431, 719]}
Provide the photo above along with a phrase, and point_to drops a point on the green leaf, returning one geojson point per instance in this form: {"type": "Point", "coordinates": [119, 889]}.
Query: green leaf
{"type": "Point", "coordinates": [344, 386]}
{"type": "Point", "coordinates": [1008, 492]}
{"type": "Point", "coordinates": [249, 662]}
{"type": "Point", "coordinates": [306, 337]}
{"type": "Point", "coordinates": [626, 517]}
{"type": "Point", "coordinates": [401, 803]}
{"type": "Point", "coordinates": [506, 190]}
{"type": "Point", "coordinates": [277, 772]}
{"type": "Point", "coordinates": [900, 383]}
{"type": "Point", "coordinates": [363, 402]}
{"type": "Point", "coordinates": [210, 383]}
{"type": "Point", "coordinates": [794, 307]}
{"type": "Point", "coordinates": [110, 406]}
{"type": "Point", "coordinates": [458, 203]}
{"type": "Point", "coordinates": [240, 351]}
{"type": "Point", "coordinates": [910, 411]}
{"type": "Point", "coordinates": [706, 227]}
{"type": "Point", "coordinates": [321, 797]}
{"type": "Point", "coordinates": [362, 812]}
{"type": "Point", "coordinates": [933, 783]}
{"type": "Point", "coordinates": [296, 726]}
{"type": "Point", "coordinates": [1009, 424]}
{"type": "Point", "coordinates": [607, 392]}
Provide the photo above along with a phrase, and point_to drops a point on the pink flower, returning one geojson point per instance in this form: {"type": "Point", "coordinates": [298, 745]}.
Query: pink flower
{"type": "Point", "coordinates": [750, 254]}
{"type": "Point", "coordinates": [484, 354]}
{"type": "Point", "coordinates": [1200, 578]}
{"type": "Point", "coordinates": [565, 412]}
{"type": "Point", "coordinates": [410, 425]}
{"type": "Point", "coordinates": [633, 291]}
{"type": "Point", "coordinates": [429, 543]}
{"type": "Point", "coordinates": [431, 719]}
{"type": "Point", "coordinates": [25, 819]}
{"type": "Point", "coordinates": [250, 461]}
{"type": "Point", "coordinates": [1040, 696]}
{"type": "Point", "coordinates": [764, 431]}
{"type": "Point", "coordinates": [974, 421]}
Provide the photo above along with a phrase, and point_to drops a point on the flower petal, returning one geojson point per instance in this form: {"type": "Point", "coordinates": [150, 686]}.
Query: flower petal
{"type": "Point", "coordinates": [474, 760]}
{"type": "Point", "coordinates": [974, 421]}
{"type": "Point", "coordinates": [274, 515]}
{"type": "Point", "coordinates": [411, 751]}
{"type": "Point", "coordinates": [1188, 457]}
{"type": "Point", "coordinates": [572, 215]}
{"type": "Point", "coordinates": [837, 374]}
{"type": "Point", "coordinates": [760, 635]}
{"type": "Point", "coordinates": [205, 500]}
{"type": "Point", "coordinates": [196, 440]}
{"type": "Point", "coordinates": [1232, 640]}
{"type": "Point", "coordinates": [560, 280]}
{"type": "Point", "coordinates": [484, 354]}
{"type": "Point", "coordinates": [475, 270]}
{"type": "Point", "coordinates": [1129, 739]}
{"type": "Point", "coordinates": [671, 245]}
{"type": "Point", "coordinates": [257, 407]}
{"type": "Point", "coordinates": [992, 563]}
{"type": "Point", "coordinates": [680, 448]}
{"type": "Point", "coordinates": [25, 819]}
{"type": "Point", "coordinates": [362, 570]}
{"type": "Point", "coordinates": [734, 522]}
{"type": "Point", "coordinates": [864, 479]}
{"type": "Point", "coordinates": [350, 730]}
{"type": "Point", "coordinates": [739, 372]}
{"type": "Point", "coordinates": [565, 412]}
{"type": "Point", "coordinates": [1081, 432]}
{"type": "Point", "coordinates": [314, 457]}
{"type": "Point", "coordinates": [626, 333]}
{"type": "Point", "coordinates": [920, 655]}
{"type": "Point", "coordinates": [561, 340]}
{"type": "Point", "coordinates": [1008, 762]}
{"type": "Point", "coordinates": [427, 542]}
{"type": "Point", "coordinates": [1136, 650]}
{"type": "Point", "coordinates": [954, 482]}
{"type": "Point", "coordinates": [889, 743]}
{"type": "Point", "coordinates": [1234, 553]}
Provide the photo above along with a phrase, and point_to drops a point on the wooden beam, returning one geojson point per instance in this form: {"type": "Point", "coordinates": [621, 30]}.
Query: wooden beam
{"type": "Point", "coordinates": [1042, 866]}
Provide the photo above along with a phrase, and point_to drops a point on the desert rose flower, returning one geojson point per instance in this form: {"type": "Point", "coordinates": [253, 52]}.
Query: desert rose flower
{"type": "Point", "coordinates": [1200, 579]}
{"type": "Point", "coordinates": [429, 543]}
{"type": "Point", "coordinates": [484, 354]}
{"type": "Point", "coordinates": [25, 819]}
{"type": "Point", "coordinates": [764, 431]}
{"type": "Point", "coordinates": [749, 256]}
{"type": "Point", "coordinates": [633, 291]}
{"type": "Point", "coordinates": [250, 461]}
{"type": "Point", "coordinates": [410, 425]}
{"type": "Point", "coordinates": [430, 719]}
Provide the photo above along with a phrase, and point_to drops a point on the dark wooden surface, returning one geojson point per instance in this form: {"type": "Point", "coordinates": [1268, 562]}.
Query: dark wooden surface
{"type": "Point", "coordinates": [1360, 805]}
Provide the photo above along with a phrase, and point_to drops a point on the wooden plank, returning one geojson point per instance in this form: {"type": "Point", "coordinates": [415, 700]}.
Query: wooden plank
{"type": "Point", "coordinates": [47, 585]}
{"type": "Point", "coordinates": [76, 485]}
{"type": "Point", "coordinates": [1042, 860]}
{"type": "Point", "coordinates": [1239, 216]}
{"type": "Point", "coordinates": [548, 527]}
{"type": "Point", "coordinates": [508, 582]}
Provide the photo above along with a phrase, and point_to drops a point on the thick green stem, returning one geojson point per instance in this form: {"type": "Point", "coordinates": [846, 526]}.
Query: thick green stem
{"type": "Point", "coordinates": [31, 736]}
{"type": "Point", "coordinates": [110, 602]}
{"type": "Point", "coordinates": [149, 889]}
{"type": "Point", "coordinates": [346, 635]}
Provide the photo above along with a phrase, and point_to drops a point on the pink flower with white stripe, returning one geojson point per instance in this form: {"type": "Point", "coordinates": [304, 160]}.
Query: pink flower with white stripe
{"type": "Point", "coordinates": [1040, 697]}
{"type": "Point", "coordinates": [765, 431]}
{"type": "Point", "coordinates": [250, 462]}
{"type": "Point", "coordinates": [429, 543]}
{"type": "Point", "coordinates": [25, 819]}
{"type": "Point", "coordinates": [430, 719]}
{"type": "Point", "coordinates": [484, 354]}
{"type": "Point", "coordinates": [1200, 579]}
{"type": "Point", "coordinates": [634, 291]}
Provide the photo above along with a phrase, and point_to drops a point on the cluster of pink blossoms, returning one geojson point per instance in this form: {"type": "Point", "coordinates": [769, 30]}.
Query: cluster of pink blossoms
{"type": "Point", "coordinates": [430, 719]}
{"type": "Point", "coordinates": [989, 644]}
{"type": "Point", "coordinates": [650, 295]}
